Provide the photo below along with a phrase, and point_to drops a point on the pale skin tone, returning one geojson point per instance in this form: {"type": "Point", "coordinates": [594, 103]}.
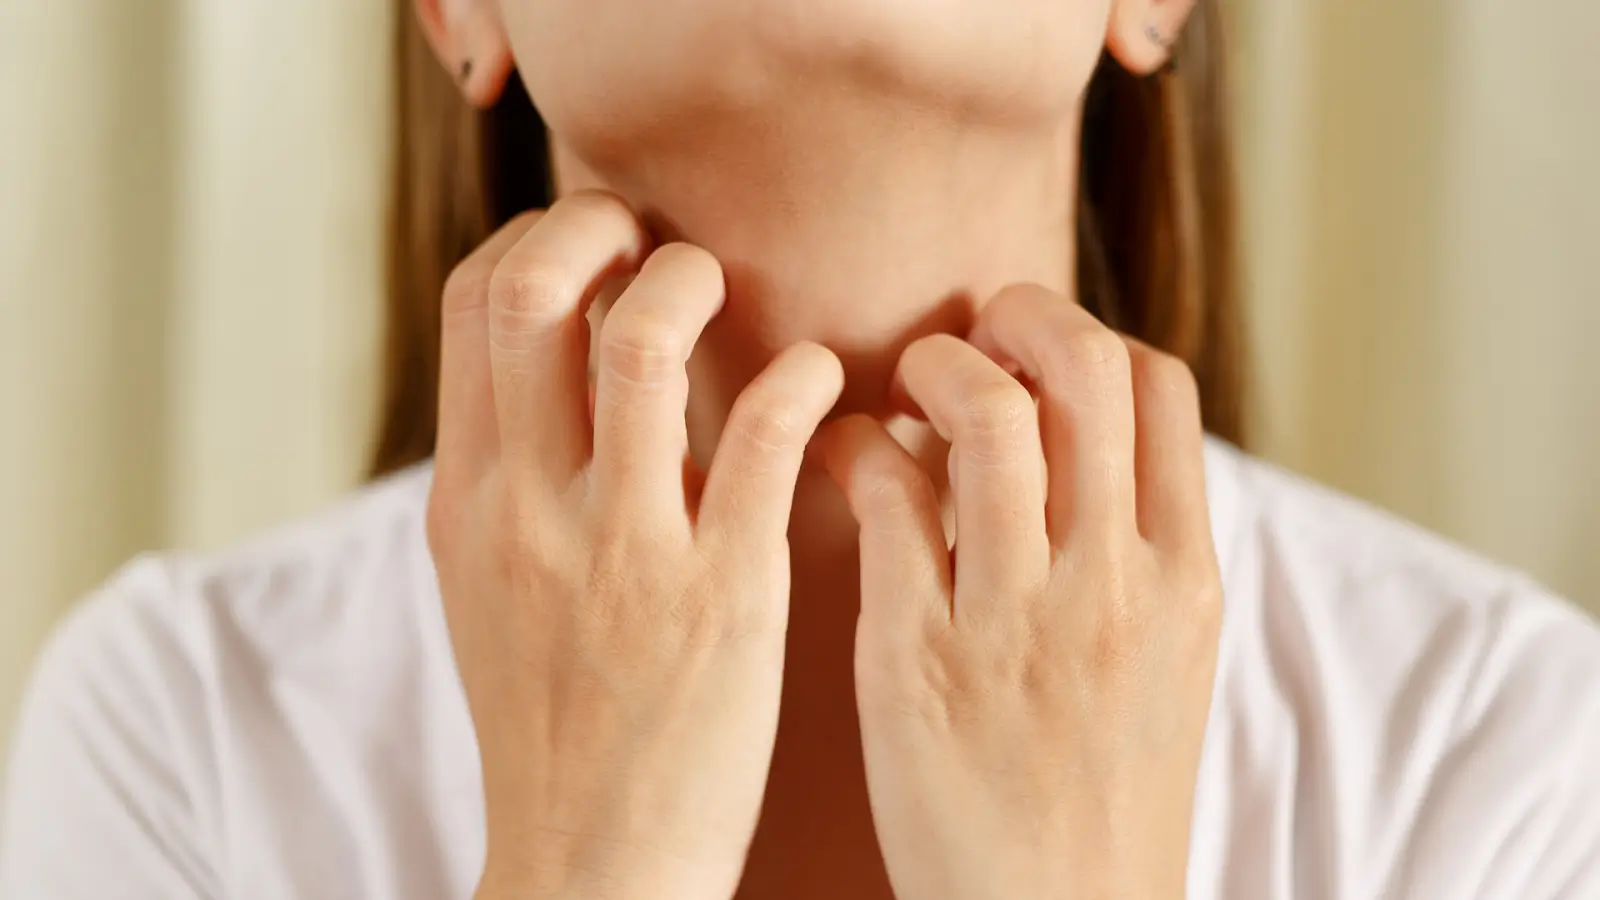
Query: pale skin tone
{"type": "Point", "coordinates": [710, 643]}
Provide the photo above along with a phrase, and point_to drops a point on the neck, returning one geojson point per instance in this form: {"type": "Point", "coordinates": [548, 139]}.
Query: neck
{"type": "Point", "coordinates": [859, 232]}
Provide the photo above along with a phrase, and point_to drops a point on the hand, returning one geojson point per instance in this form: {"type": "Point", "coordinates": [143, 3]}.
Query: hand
{"type": "Point", "coordinates": [1033, 714]}
{"type": "Point", "coordinates": [620, 638]}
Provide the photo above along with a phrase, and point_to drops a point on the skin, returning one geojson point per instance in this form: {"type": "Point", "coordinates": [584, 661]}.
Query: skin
{"type": "Point", "coordinates": [957, 642]}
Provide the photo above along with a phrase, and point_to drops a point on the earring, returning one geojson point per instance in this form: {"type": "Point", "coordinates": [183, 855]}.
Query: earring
{"type": "Point", "coordinates": [1157, 36]}
{"type": "Point", "coordinates": [466, 70]}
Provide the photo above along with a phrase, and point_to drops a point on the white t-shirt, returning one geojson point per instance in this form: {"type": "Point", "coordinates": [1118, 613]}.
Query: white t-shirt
{"type": "Point", "coordinates": [1393, 719]}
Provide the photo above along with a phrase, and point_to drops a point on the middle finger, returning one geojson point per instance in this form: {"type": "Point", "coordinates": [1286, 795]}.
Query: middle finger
{"type": "Point", "coordinates": [538, 338]}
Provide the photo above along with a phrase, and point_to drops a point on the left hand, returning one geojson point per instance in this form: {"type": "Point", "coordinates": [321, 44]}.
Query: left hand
{"type": "Point", "coordinates": [1033, 704]}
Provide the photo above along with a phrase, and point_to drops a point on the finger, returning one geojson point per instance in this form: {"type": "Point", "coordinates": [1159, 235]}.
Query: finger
{"type": "Point", "coordinates": [749, 491]}
{"type": "Point", "coordinates": [538, 338]}
{"type": "Point", "coordinates": [905, 562]}
{"type": "Point", "coordinates": [468, 434]}
{"type": "Point", "coordinates": [1081, 371]}
{"type": "Point", "coordinates": [642, 383]}
{"type": "Point", "coordinates": [1169, 454]}
{"type": "Point", "coordinates": [990, 420]}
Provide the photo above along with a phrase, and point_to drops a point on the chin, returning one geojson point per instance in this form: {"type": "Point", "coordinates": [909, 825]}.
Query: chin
{"type": "Point", "coordinates": [613, 75]}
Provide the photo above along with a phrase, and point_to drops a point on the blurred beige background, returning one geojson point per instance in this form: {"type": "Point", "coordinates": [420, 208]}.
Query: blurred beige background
{"type": "Point", "coordinates": [191, 195]}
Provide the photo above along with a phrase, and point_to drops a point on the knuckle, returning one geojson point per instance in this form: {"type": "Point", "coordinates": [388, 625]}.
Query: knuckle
{"type": "Point", "coordinates": [524, 555]}
{"type": "Point", "coordinates": [891, 481]}
{"type": "Point", "coordinates": [1097, 353]}
{"type": "Point", "coordinates": [887, 488]}
{"type": "Point", "coordinates": [510, 520]}
{"type": "Point", "coordinates": [1207, 607]}
{"type": "Point", "coordinates": [696, 611]}
{"type": "Point", "coordinates": [526, 291]}
{"type": "Point", "coordinates": [997, 414]}
{"type": "Point", "coordinates": [1119, 636]}
{"type": "Point", "coordinates": [518, 561]}
{"type": "Point", "coordinates": [1192, 572]}
{"type": "Point", "coordinates": [770, 426]}
{"type": "Point", "coordinates": [641, 348]}
{"type": "Point", "coordinates": [510, 558]}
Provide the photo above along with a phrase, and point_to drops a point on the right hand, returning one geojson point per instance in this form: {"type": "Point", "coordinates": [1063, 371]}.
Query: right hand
{"type": "Point", "coordinates": [620, 640]}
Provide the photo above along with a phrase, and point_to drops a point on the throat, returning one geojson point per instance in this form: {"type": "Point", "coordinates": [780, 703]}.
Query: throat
{"type": "Point", "coordinates": [816, 836]}
{"type": "Point", "coordinates": [862, 230]}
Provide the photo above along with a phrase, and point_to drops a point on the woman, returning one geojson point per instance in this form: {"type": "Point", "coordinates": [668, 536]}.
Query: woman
{"type": "Point", "coordinates": [826, 609]}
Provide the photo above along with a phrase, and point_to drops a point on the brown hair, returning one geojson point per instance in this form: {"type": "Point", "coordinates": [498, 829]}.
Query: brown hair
{"type": "Point", "coordinates": [1156, 220]}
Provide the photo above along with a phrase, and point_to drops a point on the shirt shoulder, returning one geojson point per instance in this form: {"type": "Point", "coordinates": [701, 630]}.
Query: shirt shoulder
{"type": "Point", "coordinates": [275, 590]}
{"type": "Point", "coordinates": [1353, 581]}
{"type": "Point", "coordinates": [151, 690]}
{"type": "Point", "coordinates": [1444, 710]}
{"type": "Point", "coordinates": [318, 570]}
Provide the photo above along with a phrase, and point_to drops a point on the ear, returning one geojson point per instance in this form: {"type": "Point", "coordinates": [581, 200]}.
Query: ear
{"type": "Point", "coordinates": [470, 40]}
{"type": "Point", "coordinates": [1142, 33]}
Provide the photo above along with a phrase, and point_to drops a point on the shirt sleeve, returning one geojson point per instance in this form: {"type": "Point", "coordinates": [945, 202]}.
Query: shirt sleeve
{"type": "Point", "coordinates": [99, 800]}
{"type": "Point", "coordinates": [1512, 810]}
